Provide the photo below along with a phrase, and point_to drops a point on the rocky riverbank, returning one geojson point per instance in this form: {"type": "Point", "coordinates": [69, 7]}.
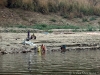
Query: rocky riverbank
{"type": "Point", "coordinates": [13, 42]}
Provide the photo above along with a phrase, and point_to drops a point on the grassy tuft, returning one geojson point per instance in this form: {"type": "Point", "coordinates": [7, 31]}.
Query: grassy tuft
{"type": "Point", "coordinates": [84, 20]}
{"type": "Point", "coordinates": [48, 27]}
{"type": "Point", "coordinates": [91, 28]}
{"type": "Point", "coordinates": [53, 20]}
{"type": "Point", "coordinates": [65, 15]}
{"type": "Point", "coordinates": [92, 18]}
{"type": "Point", "coordinates": [21, 26]}
{"type": "Point", "coordinates": [14, 3]}
{"type": "Point", "coordinates": [52, 6]}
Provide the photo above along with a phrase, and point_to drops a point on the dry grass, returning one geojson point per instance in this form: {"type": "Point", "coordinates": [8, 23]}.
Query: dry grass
{"type": "Point", "coordinates": [3, 3]}
{"type": "Point", "coordinates": [70, 7]}
{"type": "Point", "coordinates": [43, 6]}
{"type": "Point", "coordinates": [27, 1]}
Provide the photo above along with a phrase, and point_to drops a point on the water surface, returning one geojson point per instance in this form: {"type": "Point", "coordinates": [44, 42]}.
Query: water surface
{"type": "Point", "coordinates": [86, 62]}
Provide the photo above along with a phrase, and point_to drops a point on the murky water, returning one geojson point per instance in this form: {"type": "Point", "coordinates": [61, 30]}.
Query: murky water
{"type": "Point", "coordinates": [86, 62]}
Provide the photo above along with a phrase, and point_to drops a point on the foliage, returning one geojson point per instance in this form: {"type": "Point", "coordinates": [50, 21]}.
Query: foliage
{"type": "Point", "coordinates": [92, 18]}
{"type": "Point", "coordinates": [90, 28]}
{"type": "Point", "coordinates": [65, 16]}
{"type": "Point", "coordinates": [48, 27]}
{"type": "Point", "coordinates": [21, 26]}
{"type": "Point", "coordinates": [53, 20]}
{"type": "Point", "coordinates": [84, 20]}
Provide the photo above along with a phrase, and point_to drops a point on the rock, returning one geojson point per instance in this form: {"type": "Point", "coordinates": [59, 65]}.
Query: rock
{"type": "Point", "coordinates": [26, 51]}
{"type": "Point", "coordinates": [8, 45]}
{"type": "Point", "coordinates": [3, 52]}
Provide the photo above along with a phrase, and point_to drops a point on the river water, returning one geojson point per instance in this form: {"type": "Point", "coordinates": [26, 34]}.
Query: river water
{"type": "Point", "coordinates": [86, 62]}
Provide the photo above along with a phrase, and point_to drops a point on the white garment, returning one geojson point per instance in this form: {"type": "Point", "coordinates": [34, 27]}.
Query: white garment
{"type": "Point", "coordinates": [29, 43]}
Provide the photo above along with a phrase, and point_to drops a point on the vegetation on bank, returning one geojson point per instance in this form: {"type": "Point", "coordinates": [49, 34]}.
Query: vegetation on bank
{"type": "Point", "coordinates": [46, 27]}
{"type": "Point", "coordinates": [49, 28]}
{"type": "Point", "coordinates": [67, 8]}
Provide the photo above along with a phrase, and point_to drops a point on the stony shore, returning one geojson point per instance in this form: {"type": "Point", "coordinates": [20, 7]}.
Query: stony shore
{"type": "Point", "coordinates": [12, 42]}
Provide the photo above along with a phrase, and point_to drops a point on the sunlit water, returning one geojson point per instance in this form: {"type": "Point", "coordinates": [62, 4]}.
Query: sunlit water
{"type": "Point", "coordinates": [86, 62]}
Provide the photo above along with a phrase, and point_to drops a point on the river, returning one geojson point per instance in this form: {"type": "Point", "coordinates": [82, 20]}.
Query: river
{"type": "Point", "coordinates": [84, 62]}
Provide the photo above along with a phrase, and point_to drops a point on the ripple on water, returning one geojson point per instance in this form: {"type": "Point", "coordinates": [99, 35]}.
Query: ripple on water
{"type": "Point", "coordinates": [54, 63]}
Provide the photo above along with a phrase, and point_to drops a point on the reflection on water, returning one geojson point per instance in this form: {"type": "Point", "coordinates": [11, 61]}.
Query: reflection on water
{"type": "Point", "coordinates": [84, 62]}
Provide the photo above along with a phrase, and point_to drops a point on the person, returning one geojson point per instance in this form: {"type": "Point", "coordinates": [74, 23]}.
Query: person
{"type": "Point", "coordinates": [39, 48]}
{"type": "Point", "coordinates": [28, 36]}
{"type": "Point", "coordinates": [43, 49]}
{"type": "Point", "coordinates": [63, 48]}
{"type": "Point", "coordinates": [33, 36]}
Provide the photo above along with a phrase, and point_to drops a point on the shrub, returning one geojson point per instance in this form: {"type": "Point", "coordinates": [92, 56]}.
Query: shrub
{"type": "Point", "coordinates": [47, 27]}
{"type": "Point", "coordinates": [99, 25]}
{"type": "Point", "coordinates": [27, 6]}
{"type": "Point", "coordinates": [97, 11]}
{"type": "Point", "coordinates": [40, 26]}
{"type": "Point", "coordinates": [91, 28]}
{"type": "Point", "coordinates": [21, 26]}
{"type": "Point", "coordinates": [84, 20]}
{"type": "Point", "coordinates": [14, 3]}
{"type": "Point", "coordinates": [62, 7]}
{"type": "Point", "coordinates": [53, 20]}
{"type": "Point", "coordinates": [42, 6]}
{"type": "Point", "coordinates": [52, 6]}
{"type": "Point", "coordinates": [65, 16]}
{"type": "Point", "coordinates": [92, 18]}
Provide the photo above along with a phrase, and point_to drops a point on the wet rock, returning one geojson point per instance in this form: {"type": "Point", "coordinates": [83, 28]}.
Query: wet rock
{"type": "Point", "coordinates": [32, 49]}
{"type": "Point", "coordinates": [17, 38]}
{"type": "Point", "coordinates": [55, 50]}
{"type": "Point", "coordinates": [3, 52]}
{"type": "Point", "coordinates": [8, 45]}
{"type": "Point", "coordinates": [26, 51]}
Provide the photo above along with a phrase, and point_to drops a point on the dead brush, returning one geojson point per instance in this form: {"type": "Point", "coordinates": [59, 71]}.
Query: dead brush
{"type": "Point", "coordinates": [77, 7]}
{"type": "Point", "coordinates": [3, 3]}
